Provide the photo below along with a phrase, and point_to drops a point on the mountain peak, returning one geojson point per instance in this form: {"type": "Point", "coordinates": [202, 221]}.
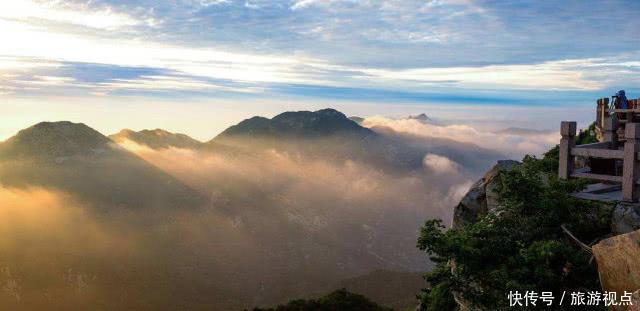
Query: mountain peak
{"type": "Point", "coordinates": [331, 113]}
{"type": "Point", "coordinates": [62, 138]}
{"type": "Point", "coordinates": [420, 117]}
{"type": "Point", "coordinates": [297, 124]}
{"type": "Point", "coordinates": [156, 139]}
{"type": "Point", "coordinates": [62, 127]}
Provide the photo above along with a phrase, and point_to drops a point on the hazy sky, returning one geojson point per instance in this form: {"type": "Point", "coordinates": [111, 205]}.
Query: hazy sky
{"type": "Point", "coordinates": [197, 66]}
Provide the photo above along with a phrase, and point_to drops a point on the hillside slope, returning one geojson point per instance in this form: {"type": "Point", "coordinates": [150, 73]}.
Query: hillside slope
{"type": "Point", "coordinates": [74, 158]}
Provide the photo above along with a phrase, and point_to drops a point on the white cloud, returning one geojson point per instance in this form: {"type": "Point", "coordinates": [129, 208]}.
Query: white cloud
{"type": "Point", "coordinates": [167, 83]}
{"type": "Point", "coordinates": [440, 164]}
{"type": "Point", "coordinates": [301, 4]}
{"type": "Point", "coordinates": [213, 2]}
{"type": "Point", "coordinates": [13, 69]}
{"type": "Point", "coordinates": [48, 80]}
{"type": "Point", "coordinates": [512, 145]}
{"type": "Point", "coordinates": [553, 75]}
{"type": "Point", "coordinates": [208, 62]}
{"type": "Point", "coordinates": [13, 64]}
{"type": "Point", "coordinates": [65, 12]}
{"type": "Point", "coordinates": [46, 45]}
{"type": "Point", "coordinates": [158, 83]}
{"type": "Point", "coordinates": [251, 5]}
{"type": "Point", "coordinates": [458, 191]}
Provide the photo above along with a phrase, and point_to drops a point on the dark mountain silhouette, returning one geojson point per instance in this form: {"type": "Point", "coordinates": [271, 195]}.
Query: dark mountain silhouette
{"type": "Point", "coordinates": [424, 118]}
{"type": "Point", "coordinates": [55, 140]}
{"type": "Point", "coordinates": [300, 124]}
{"type": "Point", "coordinates": [356, 119]}
{"type": "Point", "coordinates": [329, 134]}
{"type": "Point", "coordinates": [323, 134]}
{"type": "Point", "coordinates": [420, 117]}
{"type": "Point", "coordinates": [75, 158]}
{"type": "Point", "coordinates": [156, 139]}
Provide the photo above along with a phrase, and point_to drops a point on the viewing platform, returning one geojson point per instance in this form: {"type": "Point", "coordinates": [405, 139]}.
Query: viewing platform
{"type": "Point", "coordinates": [614, 159]}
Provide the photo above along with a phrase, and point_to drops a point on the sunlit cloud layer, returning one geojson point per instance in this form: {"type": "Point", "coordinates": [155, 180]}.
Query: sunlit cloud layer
{"type": "Point", "coordinates": [513, 143]}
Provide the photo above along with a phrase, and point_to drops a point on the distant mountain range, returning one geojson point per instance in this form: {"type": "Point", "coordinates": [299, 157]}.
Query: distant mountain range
{"type": "Point", "coordinates": [156, 139]}
{"type": "Point", "coordinates": [301, 202]}
{"type": "Point", "coordinates": [78, 159]}
{"type": "Point", "coordinates": [75, 158]}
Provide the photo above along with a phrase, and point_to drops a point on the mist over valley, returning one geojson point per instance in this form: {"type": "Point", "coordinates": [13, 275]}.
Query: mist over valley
{"type": "Point", "coordinates": [267, 211]}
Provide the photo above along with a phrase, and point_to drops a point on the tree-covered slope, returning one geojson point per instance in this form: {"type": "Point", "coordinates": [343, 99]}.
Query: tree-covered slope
{"type": "Point", "coordinates": [519, 245]}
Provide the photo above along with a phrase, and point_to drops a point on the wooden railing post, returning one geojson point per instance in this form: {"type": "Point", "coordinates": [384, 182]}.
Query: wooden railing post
{"type": "Point", "coordinates": [611, 132]}
{"type": "Point", "coordinates": [630, 166]}
{"type": "Point", "coordinates": [567, 142]}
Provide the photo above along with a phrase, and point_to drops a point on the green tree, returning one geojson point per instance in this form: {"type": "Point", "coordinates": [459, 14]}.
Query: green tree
{"type": "Point", "coordinates": [520, 247]}
{"type": "Point", "coordinates": [587, 136]}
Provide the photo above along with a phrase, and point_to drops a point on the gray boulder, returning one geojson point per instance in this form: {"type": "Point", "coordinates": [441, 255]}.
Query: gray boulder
{"type": "Point", "coordinates": [625, 218]}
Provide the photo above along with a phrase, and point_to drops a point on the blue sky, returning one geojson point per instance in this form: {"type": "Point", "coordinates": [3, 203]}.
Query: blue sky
{"type": "Point", "coordinates": [311, 53]}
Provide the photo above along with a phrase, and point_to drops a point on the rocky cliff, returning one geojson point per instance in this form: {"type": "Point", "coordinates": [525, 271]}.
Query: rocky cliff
{"type": "Point", "coordinates": [480, 200]}
{"type": "Point", "coordinates": [482, 197]}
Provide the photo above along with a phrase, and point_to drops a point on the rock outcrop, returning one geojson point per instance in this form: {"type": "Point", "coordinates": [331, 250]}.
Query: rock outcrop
{"type": "Point", "coordinates": [618, 265]}
{"type": "Point", "coordinates": [482, 198]}
{"type": "Point", "coordinates": [616, 256]}
{"type": "Point", "coordinates": [625, 218]}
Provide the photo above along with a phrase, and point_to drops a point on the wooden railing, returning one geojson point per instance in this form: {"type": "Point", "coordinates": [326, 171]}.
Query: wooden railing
{"type": "Point", "coordinates": [607, 149]}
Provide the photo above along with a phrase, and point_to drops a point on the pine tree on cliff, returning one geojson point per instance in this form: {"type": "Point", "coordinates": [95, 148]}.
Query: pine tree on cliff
{"type": "Point", "coordinates": [517, 246]}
